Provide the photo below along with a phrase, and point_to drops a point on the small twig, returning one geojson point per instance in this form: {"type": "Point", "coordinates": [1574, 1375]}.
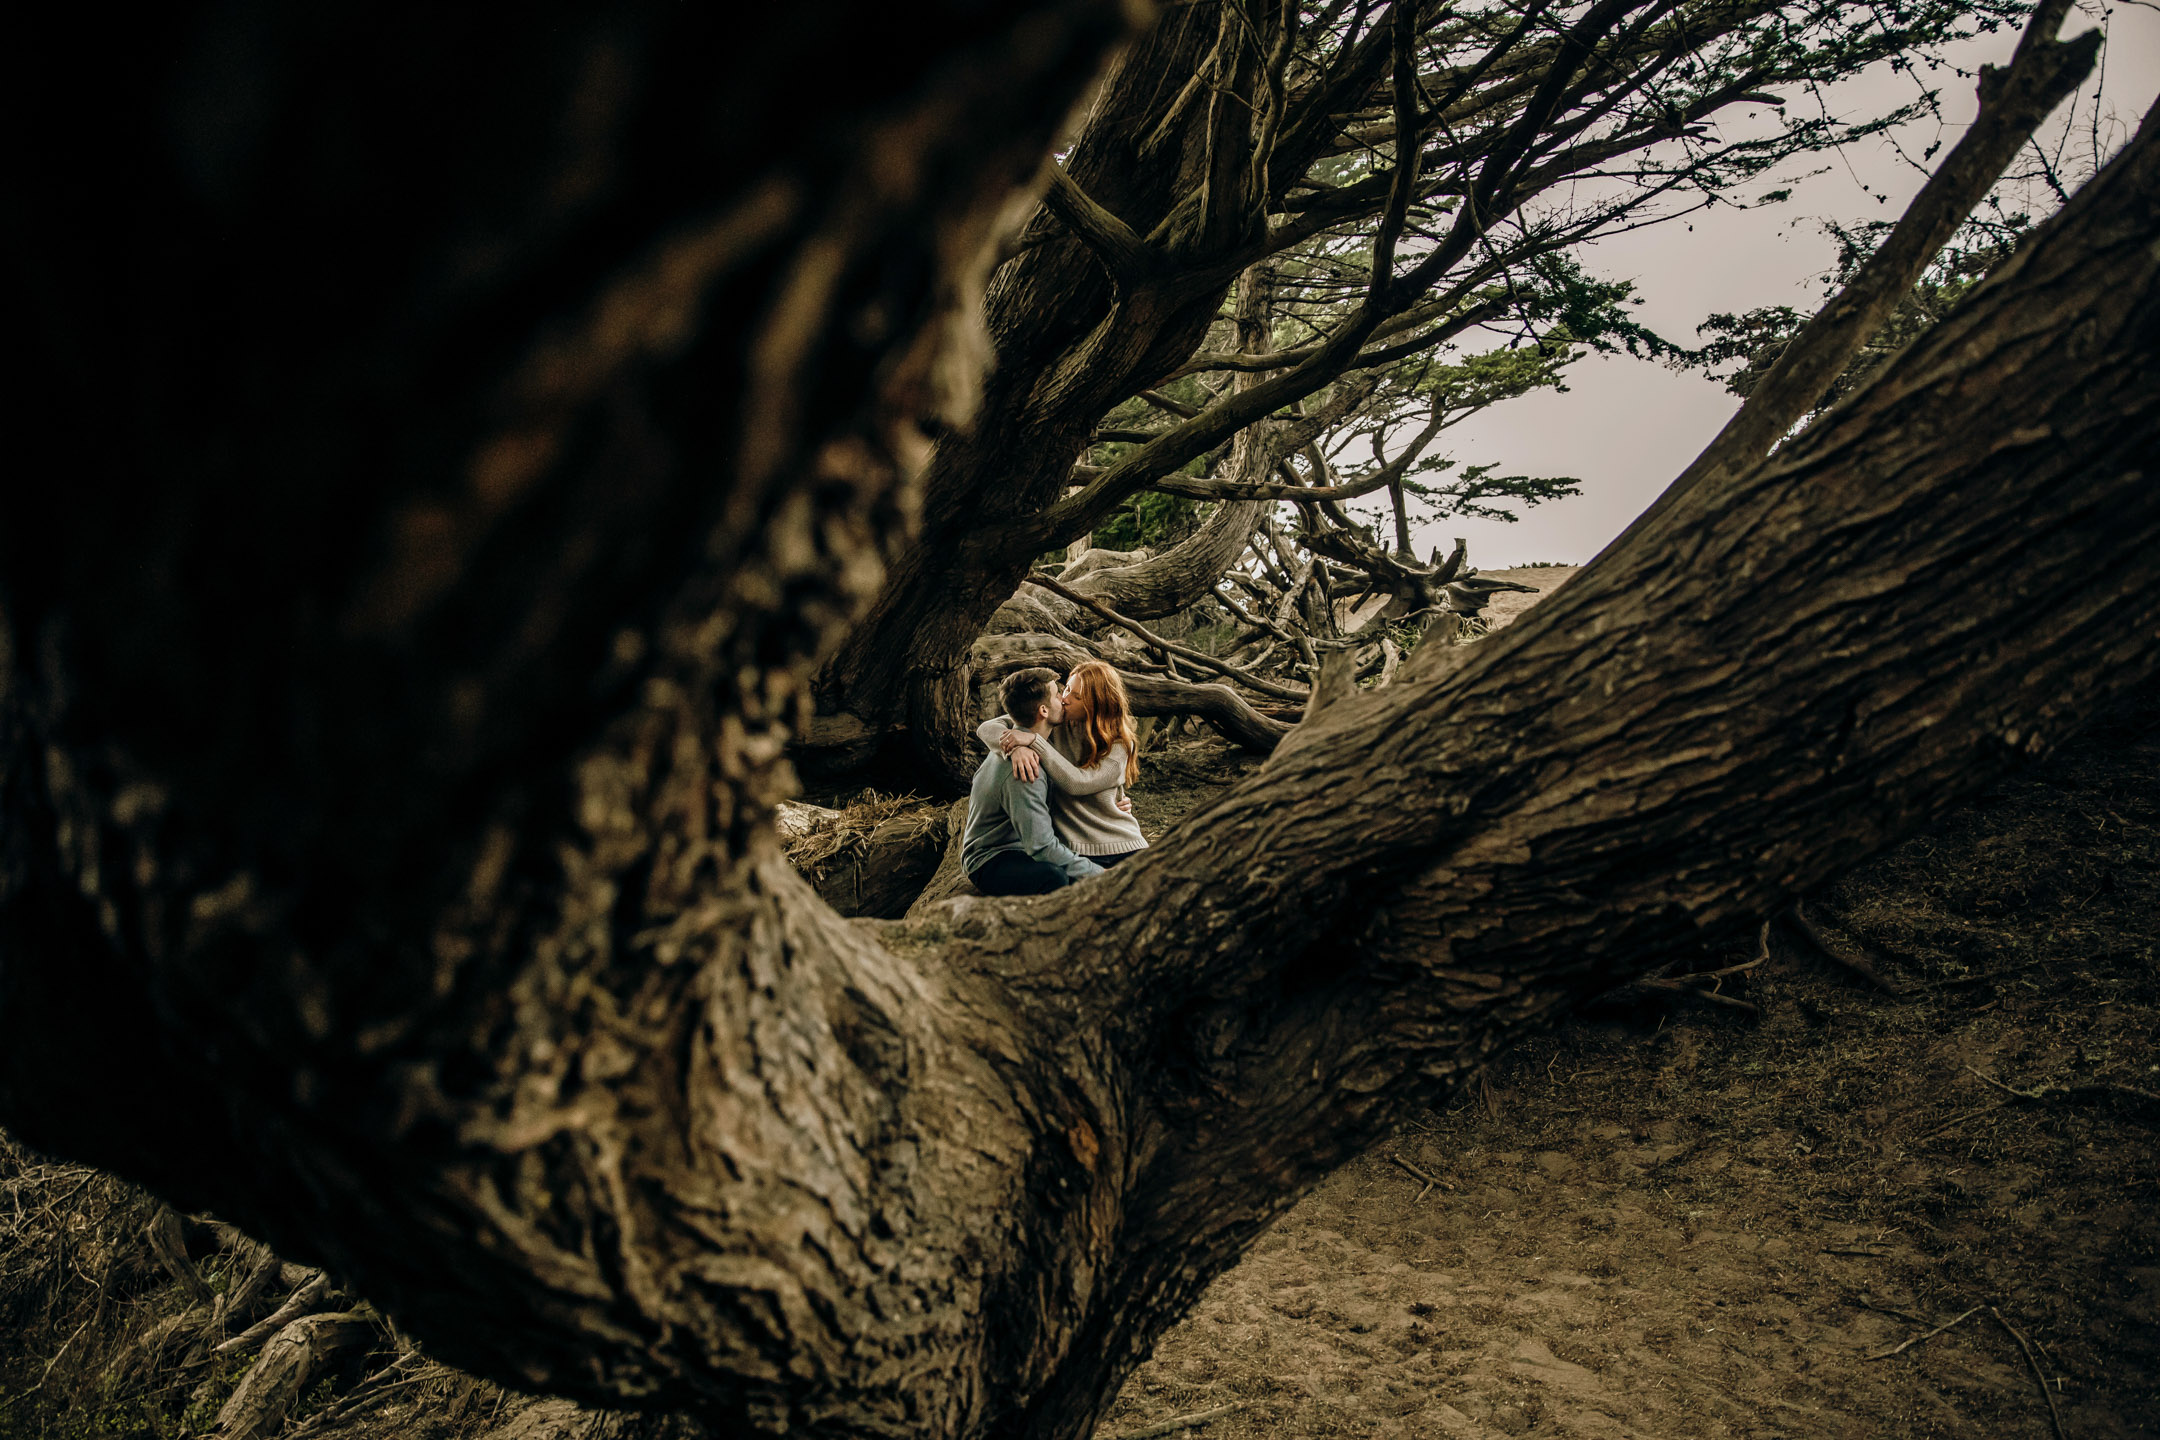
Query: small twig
{"type": "Point", "coordinates": [1430, 1180]}
{"type": "Point", "coordinates": [1676, 988]}
{"type": "Point", "coordinates": [1922, 1339]}
{"type": "Point", "coordinates": [1863, 1250]}
{"type": "Point", "coordinates": [47, 1375]}
{"type": "Point", "coordinates": [1865, 1303]}
{"type": "Point", "coordinates": [51, 1205]}
{"type": "Point", "coordinates": [1956, 1120]}
{"type": "Point", "coordinates": [1713, 976]}
{"type": "Point", "coordinates": [1830, 950]}
{"type": "Point", "coordinates": [2007, 1090]}
{"type": "Point", "coordinates": [2102, 1087]}
{"type": "Point", "coordinates": [1693, 983]}
{"type": "Point", "coordinates": [1978, 979]}
{"type": "Point", "coordinates": [2054, 1415]}
{"type": "Point", "coordinates": [367, 1392]}
{"type": "Point", "coordinates": [2077, 1094]}
{"type": "Point", "coordinates": [1183, 1422]}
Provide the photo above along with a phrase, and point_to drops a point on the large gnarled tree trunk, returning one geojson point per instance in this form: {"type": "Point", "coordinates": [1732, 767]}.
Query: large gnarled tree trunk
{"type": "Point", "coordinates": [393, 696]}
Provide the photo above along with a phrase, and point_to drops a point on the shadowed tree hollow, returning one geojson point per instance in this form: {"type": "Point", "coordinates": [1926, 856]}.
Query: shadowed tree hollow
{"type": "Point", "coordinates": [482, 428]}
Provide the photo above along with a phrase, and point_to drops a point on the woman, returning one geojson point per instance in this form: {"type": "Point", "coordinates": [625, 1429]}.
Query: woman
{"type": "Point", "coordinates": [1092, 756]}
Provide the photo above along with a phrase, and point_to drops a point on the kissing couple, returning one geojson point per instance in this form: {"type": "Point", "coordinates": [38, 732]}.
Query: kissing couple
{"type": "Point", "coordinates": [1048, 806]}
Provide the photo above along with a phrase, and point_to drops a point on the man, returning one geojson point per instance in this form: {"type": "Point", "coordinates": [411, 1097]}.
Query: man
{"type": "Point", "coordinates": [1009, 847]}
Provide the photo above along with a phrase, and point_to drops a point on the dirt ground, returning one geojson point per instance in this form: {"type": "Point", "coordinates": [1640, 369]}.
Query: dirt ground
{"type": "Point", "coordinates": [1686, 1222]}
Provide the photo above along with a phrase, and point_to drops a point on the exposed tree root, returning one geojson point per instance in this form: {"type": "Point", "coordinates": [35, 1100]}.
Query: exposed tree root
{"type": "Point", "coordinates": [170, 1248]}
{"type": "Point", "coordinates": [315, 1292]}
{"type": "Point", "coordinates": [1859, 964]}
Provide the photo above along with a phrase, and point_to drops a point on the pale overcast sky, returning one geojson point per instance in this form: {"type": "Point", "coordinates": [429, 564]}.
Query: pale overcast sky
{"type": "Point", "coordinates": [1628, 426]}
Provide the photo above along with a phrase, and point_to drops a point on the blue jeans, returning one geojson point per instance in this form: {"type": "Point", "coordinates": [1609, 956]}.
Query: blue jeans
{"type": "Point", "coordinates": [1011, 873]}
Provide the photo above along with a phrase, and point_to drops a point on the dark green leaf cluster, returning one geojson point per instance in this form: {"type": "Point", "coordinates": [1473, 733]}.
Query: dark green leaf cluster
{"type": "Point", "coordinates": [1477, 492]}
{"type": "Point", "coordinates": [1150, 521]}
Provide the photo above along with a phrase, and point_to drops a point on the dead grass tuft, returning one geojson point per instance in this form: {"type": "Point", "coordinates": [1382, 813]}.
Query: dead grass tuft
{"type": "Point", "coordinates": [846, 837]}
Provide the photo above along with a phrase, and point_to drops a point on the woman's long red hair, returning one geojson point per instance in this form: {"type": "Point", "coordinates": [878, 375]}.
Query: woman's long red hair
{"type": "Point", "coordinates": [1105, 716]}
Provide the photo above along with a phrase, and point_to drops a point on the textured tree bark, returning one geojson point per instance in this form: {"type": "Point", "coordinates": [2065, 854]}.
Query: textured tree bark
{"type": "Point", "coordinates": [1172, 581]}
{"type": "Point", "coordinates": [390, 710]}
{"type": "Point", "coordinates": [1186, 573]}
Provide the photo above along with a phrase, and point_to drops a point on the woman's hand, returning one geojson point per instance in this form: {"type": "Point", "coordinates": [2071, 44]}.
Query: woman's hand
{"type": "Point", "coordinates": [1025, 762]}
{"type": "Point", "coordinates": [1012, 738]}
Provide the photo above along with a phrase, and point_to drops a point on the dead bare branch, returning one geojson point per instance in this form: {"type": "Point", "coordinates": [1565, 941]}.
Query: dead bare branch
{"type": "Point", "coordinates": [1170, 647]}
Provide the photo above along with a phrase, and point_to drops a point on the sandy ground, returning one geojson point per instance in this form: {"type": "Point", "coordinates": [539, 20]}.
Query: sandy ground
{"type": "Point", "coordinates": [1507, 604]}
{"type": "Point", "coordinates": [1682, 1223]}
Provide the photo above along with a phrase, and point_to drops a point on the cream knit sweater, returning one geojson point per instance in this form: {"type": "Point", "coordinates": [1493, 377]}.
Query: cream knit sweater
{"type": "Point", "coordinates": [1083, 800]}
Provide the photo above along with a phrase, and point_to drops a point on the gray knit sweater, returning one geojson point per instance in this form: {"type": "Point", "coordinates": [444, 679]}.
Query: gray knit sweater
{"type": "Point", "coordinates": [1083, 800]}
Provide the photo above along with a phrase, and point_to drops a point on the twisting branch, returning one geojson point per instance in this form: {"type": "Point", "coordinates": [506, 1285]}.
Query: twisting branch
{"type": "Point", "coordinates": [313, 1293]}
{"type": "Point", "coordinates": [1298, 434]}
{"type": "Point", "coordinates": [1409, 149]}
{"type": "Point", "coordinates": [1237, 718]}
{"type": "Point", "coordinates": [1272, 77]}
{"type": "Point", "coordinates": [1208, 360]}
{"type": "Point", "coordinates": [1128, 258]}
{"type": "Point", "coordinates": [1202, 487]}
{"type": "Point", "coordinates": [1169, 647]}
{"type": "Point", "coordinates": [2012, 105]}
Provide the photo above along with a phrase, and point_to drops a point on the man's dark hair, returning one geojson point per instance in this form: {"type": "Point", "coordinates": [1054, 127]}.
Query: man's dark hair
{"type": "Point", "coordinates": [1027, 691]}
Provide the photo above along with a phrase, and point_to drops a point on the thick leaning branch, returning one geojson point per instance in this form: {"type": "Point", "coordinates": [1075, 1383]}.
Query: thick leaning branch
{"type": "Point", "coordinates": [1662, 755]}
{"type": "Point", "coordinates": [2043, 72]}
{"type": "Point", "coordinates": [1128, 258]}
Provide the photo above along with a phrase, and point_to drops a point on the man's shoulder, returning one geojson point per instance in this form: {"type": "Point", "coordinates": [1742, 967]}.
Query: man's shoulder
{"type": "Point", "coordinates": [995, 773]}
{"type": "Point", "coordinates": [1011, 777]}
